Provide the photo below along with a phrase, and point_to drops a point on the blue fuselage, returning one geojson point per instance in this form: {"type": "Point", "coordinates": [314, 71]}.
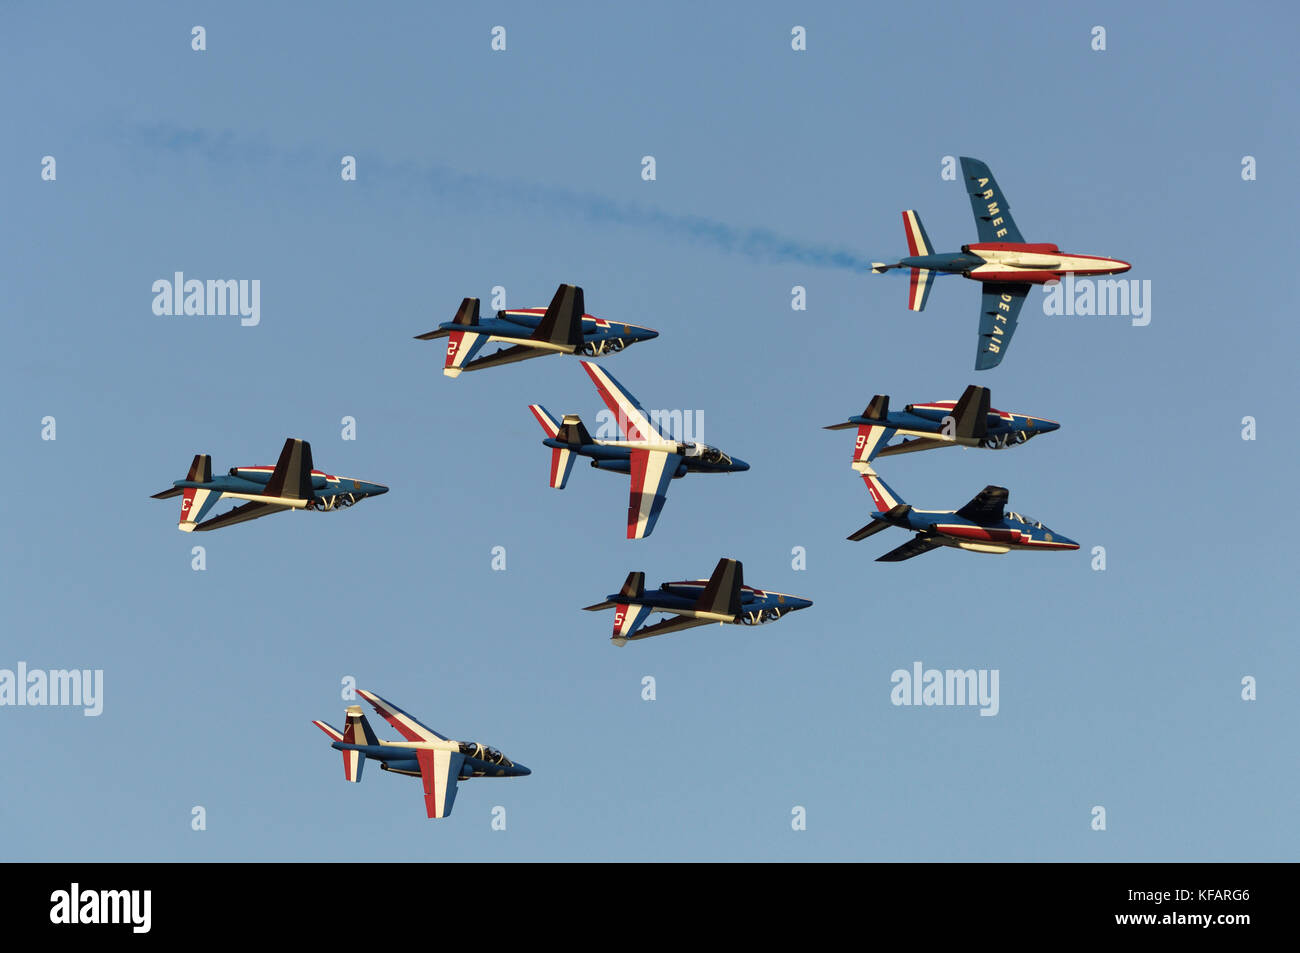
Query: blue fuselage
{"type": "Point", "coordinates": [931, 418]}
{"type": "Point", "coordinates": [1012, 531]}
{"type": "Point", "coordinates": [683, 596]}
{"type": "Point", "coordinates": [619, 459]}
{"type": "Point", "coordinates": [401, 759]}
{"type": "Point", "coordinates": [253, 480]}
{"type": "Point", "coordinates": [598, 335]}
{"type": "Point", "coordinates": [952, 263]}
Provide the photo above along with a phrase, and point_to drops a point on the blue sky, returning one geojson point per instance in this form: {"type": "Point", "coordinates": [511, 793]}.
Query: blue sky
{"type": "Point", "coordinates": [522, 169]}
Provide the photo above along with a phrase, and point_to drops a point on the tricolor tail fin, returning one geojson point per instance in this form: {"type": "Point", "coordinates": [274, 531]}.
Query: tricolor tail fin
{"type": "Point", "coordinates": [571, 431]}
{"type": "Point", "coordinates": [885, 498]}
{"type": "Point", "coordinates": [195, 502]}
{"type": "Point", "coordinates": [356, 731]}
{"type": "Point", "coordinates": [918, 244]}
{"type": "Point", "coordinates": [353, 761]}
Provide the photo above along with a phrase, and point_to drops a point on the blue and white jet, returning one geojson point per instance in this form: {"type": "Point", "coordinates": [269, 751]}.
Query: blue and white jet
{"type": "Point", "coordinates": [562, 328]}
{"type": "Point", "coordinates": [436, 760]}
{"type": "Point", "coordinates": [969, 421]}
{"type": "Point", "coordinates": [292, 484]}
{"type": "Point", "coordinates": [1005, 265]}
{"type": "Point", "coordinates": [983, 525]}
{"type": "Point", "coordinates": [651, 459]}
{"type": "Point", "coordinates": [723, 598]}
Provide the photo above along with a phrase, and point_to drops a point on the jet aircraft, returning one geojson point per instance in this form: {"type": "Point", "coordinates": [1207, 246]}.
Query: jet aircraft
{"type": "Point", "coordinates": [650, 458]}
{"type": "Point", "coordinates": [983, 525]}
{"type": "Point", "coordinates": [562, 328]}
{"type": "Point", "coordinates": [436, 760]}
{"type": "Point", "coordinates": [1002, 261]}
{"type": "Point", "coordinates": [722, 598]}
{"type": "Point", "coordinates": [967, 422]}
{"type": "Point", "coordinates": [291, 484]}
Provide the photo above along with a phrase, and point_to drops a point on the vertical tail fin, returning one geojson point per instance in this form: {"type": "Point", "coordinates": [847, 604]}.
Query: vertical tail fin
{"type": "Point", "coordinates": [463, 345]}
{"type": "Point", "coordinates": [571, 431]}
{"type": "Point", "coordinates": [871, 437]}
{"type": "Point", "coordinates": [918, 243]}
{"type": "Point", "coordinates": [356, 731]}
{"type": "Point", "coordinates": [353, 761]}
{"type": "Point", "coordinates": [195, 501]}
{"type": "Point", "coordinates": [885, 498]}
{"type": "Point", "coordinates": [461, 348]}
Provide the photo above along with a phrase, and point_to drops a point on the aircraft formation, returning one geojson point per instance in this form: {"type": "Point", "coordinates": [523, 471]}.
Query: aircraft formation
{"type": "Point", "coordinates": [1005, 265]}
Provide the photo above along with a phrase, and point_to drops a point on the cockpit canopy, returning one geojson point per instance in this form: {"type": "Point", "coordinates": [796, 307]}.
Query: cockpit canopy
{"type": "Point", "coordinates": [1025, 519]}
{"type": "Point", "coordinates": [704, 452]}
{"type": "Point", "coordinates": [483, 753]}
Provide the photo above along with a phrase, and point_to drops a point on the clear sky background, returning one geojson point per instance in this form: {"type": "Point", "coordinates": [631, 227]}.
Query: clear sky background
{"type": "Point", "coordinates": [523, 169]}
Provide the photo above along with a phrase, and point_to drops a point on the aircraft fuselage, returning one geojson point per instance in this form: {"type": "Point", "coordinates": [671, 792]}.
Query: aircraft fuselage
{"type": "Point", "coordinates": [1015, 262]}
{"type": "Point", "coordinates": [1013, 531]}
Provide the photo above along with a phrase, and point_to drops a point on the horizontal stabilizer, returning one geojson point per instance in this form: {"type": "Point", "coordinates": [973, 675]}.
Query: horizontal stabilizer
{"type": "Point", "coordinates": [573, 432]}
{"type": "Point", "coordinates": [871, 529]}
{"type": "Point", "coordinates": [913, 547]}
{"type": "Point", "coordinates": [633, 586]}
{"type": "Point", "coordinates": [896, 515]}
{"type": "Point", "coordinates": [466, 316]}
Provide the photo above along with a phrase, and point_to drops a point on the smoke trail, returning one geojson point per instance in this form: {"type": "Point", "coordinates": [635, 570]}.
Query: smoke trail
{"type": "Point", "coordinates": [754, 243]}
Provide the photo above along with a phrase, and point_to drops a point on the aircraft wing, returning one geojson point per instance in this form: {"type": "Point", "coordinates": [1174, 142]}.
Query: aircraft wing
{"type": "Point", "coordinates": [919, 443]}
{"type": "Point", "coordinates": [240, 514]}
{"type": "Point", "coordinates": [633, 421]}
{"type": "Point", "coordinates": [439, 771]}
{"type": "Point", "coordinates": [675, 624]}
{"type": "Point", "coordinates": [993, 221]}
{"type": "Point", "coordinates": [913, 547]}
{"type": "Point", "coordinates": [651, 472]}
{"type": "Point", "coordinates": [406, 724]}
{"type": "Point", "coordinates": [987, 507]}
{"type": "Point", "coordinates": [999, 311]}
{"type": "Point", "coordinates": [509, 355]}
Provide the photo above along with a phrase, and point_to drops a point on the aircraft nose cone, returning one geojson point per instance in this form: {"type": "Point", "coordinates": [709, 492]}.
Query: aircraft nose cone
{"type": "Point", "coordinates": [1047, 426]}
{"type": "Point", "coordinates": [1066, 543]}
{"type": "Point", "coordinates": [649, 335]}
{"type": "Point", "coordinates": [800, 603]}
{"type": "Point", "coordinates": [522, 769]}
{"type": "Point", "coordinates": [1123, 266]}
{"type": "Point", "coordinates": [380, 489]}
{"type": "Point", "coordinates": [738, 465]}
